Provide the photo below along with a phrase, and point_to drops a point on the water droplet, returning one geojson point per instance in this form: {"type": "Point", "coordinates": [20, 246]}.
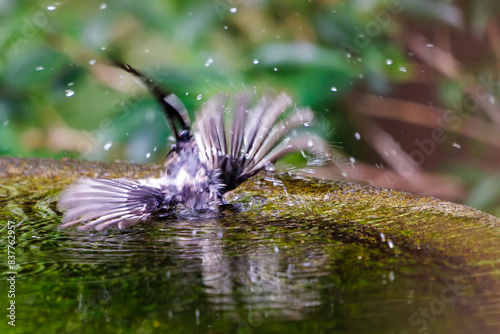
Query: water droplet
{"type": "Point", "coordinates": [103, 6]}
{"type": "Point", "coordinates": [147, 50]}
{"type": "Point", "coordinates": [91, 62]}
{"type": "Point", "coordinates": [70, 84]}
{"type": "Point", "coordinates": [333, 89]}
{"type": "Point", "coordinates": [388, 61]}
{"type": "Point", "coordinates": [155, 148]}
{"type": "Point", "coordinates": [255, 61]}
{"type": "Point", "coordinates": [391, 276]}
{"type": "Point", "coordinates": [225, 27]}
{"type": "Point", "coordinates": [103, 48]}
{"type": "Point", "coordinates": [39, 68]}
{"type": "Point", "coordinates": [430, 45]}
{"type": "Point", "coordinates": [107, 146]}
{"type": "Point", "coordinates": [6, 122]}
{"type": "Point", "coordinates": [199, 97]}
{"type": "Point", "coordinates": [457, 145]}
{"type": "Point", "coordinates": [357, 135]}
{"type": "Point", "coordinates": [148, 155]}
{"type": "Point", "coordinates": [275, 69]}
{"type": "Point", "coordinates": [276, 249]}
{"type": "Point", "coordinates": [209, 62]}
{"type": "Point", "coordinates": [270, 168]}
{"type": "Point", "coordinates": [69, 92]}
{"type": "Point", "coordinates": [389, 242]}
{"type": "Point", "coordinates": [51, 8]}
{"type": "Point", "coordinates": [233, 10]}
{"type": "Point", "coordinates": [310, 143]}
{"type": "Point", "coordinates": [402, 69]}
{"type": "Point", "coordinates": [187, 93]}
{"type": "Point", "coordinates": [382, 237]}
{"type": "Point", "coordinates": [351, 159]}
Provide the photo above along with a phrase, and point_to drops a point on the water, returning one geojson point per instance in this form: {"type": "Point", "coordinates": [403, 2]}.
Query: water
{"type": "Point", "coordinates": [245, 269]}
{"type": "Point", "coordinates": [161, 277]}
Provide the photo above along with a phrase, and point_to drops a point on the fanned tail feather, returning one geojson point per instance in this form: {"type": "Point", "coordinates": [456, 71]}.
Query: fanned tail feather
{"type": "Point", "coordinates": [257, 137]}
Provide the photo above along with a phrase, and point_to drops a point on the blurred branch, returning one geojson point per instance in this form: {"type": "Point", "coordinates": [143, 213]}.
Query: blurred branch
{"type": "Point", "coordinates": [404, 173]}
{"type": "Point", "coordinates": [428, 116]}
{"type": "Point", "coordinates": [493, 33]}
{"type": "Point", "coordinates": [445, 63]}
{"type": "Point", "coordinates": [434, 56]}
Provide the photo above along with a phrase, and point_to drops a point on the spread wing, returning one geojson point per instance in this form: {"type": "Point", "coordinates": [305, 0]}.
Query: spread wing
{"type": "Point", "coordinates": [100, 203]}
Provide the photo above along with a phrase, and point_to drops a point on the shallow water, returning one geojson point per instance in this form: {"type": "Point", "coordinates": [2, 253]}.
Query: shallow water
{"type": "Point", "coordinates": [223, 275]}
{"type": "Point", "coordinates": [245, 269]}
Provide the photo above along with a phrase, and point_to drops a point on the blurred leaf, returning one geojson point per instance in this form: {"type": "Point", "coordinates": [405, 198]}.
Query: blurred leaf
{"type": "Point", "coordinates": [485, 193]}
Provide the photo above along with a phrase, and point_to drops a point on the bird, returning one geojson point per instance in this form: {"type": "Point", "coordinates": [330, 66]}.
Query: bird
{"type": "Point", "coordinates": [233, 137]}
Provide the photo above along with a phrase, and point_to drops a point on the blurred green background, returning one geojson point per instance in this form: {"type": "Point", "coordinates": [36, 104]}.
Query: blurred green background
{"type": "Point", "coordinates": [408, 90]}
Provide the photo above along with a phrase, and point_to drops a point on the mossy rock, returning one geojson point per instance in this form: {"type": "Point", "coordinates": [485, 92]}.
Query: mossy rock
{"type": "Point", "coordinates": [363, 230]}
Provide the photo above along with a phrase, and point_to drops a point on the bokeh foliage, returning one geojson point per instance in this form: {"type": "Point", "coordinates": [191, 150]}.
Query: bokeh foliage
{"type": "Point", "coordinates": [417, 58]}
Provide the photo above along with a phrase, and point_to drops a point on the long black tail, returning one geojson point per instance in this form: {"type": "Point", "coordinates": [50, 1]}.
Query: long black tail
{"type": "Point", "coordinates": [174, 109]}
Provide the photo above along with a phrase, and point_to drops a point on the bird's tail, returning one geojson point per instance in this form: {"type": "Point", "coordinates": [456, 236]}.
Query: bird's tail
{"type": "Point", "coordinates": [100, 203]}
{"type": "Point", "coordinates": [260, 133]}
{"type": "Point", "coordinates": [173, 108]}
